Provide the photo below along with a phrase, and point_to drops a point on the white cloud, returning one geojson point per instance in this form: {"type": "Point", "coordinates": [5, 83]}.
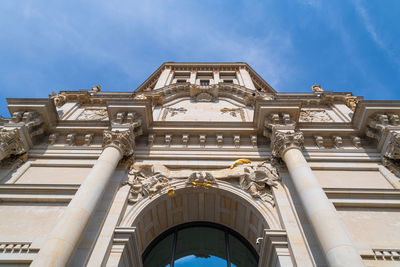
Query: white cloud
{"type": "Point", "coordinates": [371, 29]}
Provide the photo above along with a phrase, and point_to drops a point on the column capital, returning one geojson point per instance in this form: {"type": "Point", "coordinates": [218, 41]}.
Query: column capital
{"type": "Point", "coordinates": [123, 140]}
{"type": "Point", "coordinates": [10, 143]}
{"type": "Point", "coordinates": [283, 140]}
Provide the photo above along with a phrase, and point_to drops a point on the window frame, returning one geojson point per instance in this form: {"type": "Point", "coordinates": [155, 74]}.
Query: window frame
{"type": "Point", "coordinates": [174, 230]}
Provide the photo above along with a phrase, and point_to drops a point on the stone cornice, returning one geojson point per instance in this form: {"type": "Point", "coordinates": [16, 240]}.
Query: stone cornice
{"type": "Point", "coordinates": [259, 81]}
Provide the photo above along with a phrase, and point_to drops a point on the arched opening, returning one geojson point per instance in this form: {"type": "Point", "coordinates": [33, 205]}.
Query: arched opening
{"type": "Point", "coordinates": [200, 244]}
{"type": "Point", "coordinates": [223, 204]}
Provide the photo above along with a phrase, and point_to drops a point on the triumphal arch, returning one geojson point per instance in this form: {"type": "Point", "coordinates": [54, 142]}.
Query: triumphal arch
{"type": "Point", "coordinates": [202, 164]}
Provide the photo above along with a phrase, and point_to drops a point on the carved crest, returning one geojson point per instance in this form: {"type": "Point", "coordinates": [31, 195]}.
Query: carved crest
{"type": "Point", "coordinates": [145, 182]}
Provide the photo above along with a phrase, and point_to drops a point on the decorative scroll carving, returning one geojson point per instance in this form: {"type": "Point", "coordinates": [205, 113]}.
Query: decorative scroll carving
{"type": "Point", "coordinates": [201, 179]}
{"type": "Point", "coordinates": [93, 114]}
{"type": "Point", "coordinates": [356, 141]}
{"type": "Point", "coordinates": [173, 112]}
{"type": "Point", "coordinates": [379, 122]}
{"type": "Point", "coordinates": [258, 180]}
{"type": "Point", "coordinates": [88, 139]}
{"type": "Point", "coordinates": [234, 112]}
{"type": "Point", "coordinates": [59, 99]}
{"type": "Point", "coordinates": [10, 143]}
{"type": "Point", "coordinates": [319, 141]}
{"type": "Point", "coordinates": [392, 164]}
{"type": "Point", "coordinates": [145, 182]}
{"type": "Point", "coordinates": [393, 150]}
{"type": "Point", "coordinates": [283, 140]}
{"type": "Point", "coordinates": [351, 101]}
{"type": "Point", "coordinates": [122, 140]}
{"type": "Point", "coordinates": [274, 120]}
{"type": "Point", "coordinates": [207, 93]}
{"type": "Point", "coordinates": [317, 88]}
{"type": "Point", "coordinates": [314, 116]}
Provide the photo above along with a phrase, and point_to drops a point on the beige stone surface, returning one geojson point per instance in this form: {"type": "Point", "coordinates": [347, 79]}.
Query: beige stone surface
{"type": "Point", "coordinates": [28, 221]}
{"type": "Point", "coordinates": [351, 179]}
{"type": "Point", "coordinates": [377, 227]}
{"type": "Point", "coordinates": [53, 175]}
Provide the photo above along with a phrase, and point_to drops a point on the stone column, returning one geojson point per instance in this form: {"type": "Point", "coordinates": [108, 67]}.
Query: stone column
{"type": "Point", "coordinates": [334, 239]}
{"type": "Point", "coordinates": [65, 236]}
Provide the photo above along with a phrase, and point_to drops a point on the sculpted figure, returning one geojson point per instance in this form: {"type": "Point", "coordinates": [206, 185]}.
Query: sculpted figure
{"type": "Point", "coordinates": [257, 180]}
{"type": "Point", "coordinates": [145, 182]}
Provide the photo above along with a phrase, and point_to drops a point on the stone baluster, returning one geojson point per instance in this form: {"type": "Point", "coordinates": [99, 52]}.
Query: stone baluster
{"type": "Point", "coordinates": [334, 239]}
{"type": "Point", "coordinates": [65, 236]}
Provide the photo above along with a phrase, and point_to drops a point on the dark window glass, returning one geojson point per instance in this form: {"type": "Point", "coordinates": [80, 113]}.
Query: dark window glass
{"type": "Point", "coordinates": [204, 82]}
{"type": "Point", "coordinates": [240, 255]}
{"type": "Point", "coordinates": [161, 254]}
{"type": "Point", "coordinates": [228, 81]}
{"type": "Point", "coordinates": [180, 81]}
{"type": "Point", "coordinates": [200, 244]}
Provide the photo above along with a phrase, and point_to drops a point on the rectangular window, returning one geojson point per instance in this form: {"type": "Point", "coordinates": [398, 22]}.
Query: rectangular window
{"type": "Point", "coordinates": [204, 82]}
{"type": "Point", "coordinates": [228, 81]}
{"type": "Point", "coordinates": [180, 81]}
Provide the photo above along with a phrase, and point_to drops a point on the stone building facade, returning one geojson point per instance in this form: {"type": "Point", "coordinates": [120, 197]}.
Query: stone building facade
{"type": "Point", "coordinates": [92, 178]}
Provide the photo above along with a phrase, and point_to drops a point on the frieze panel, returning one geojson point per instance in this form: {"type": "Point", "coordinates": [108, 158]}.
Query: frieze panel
{"type": "Point", "coordinates": [93, 114]}
{"type": "Point", "coordinates": [315, 116]}
{"type": "Point", "coordinates": [255, 179]}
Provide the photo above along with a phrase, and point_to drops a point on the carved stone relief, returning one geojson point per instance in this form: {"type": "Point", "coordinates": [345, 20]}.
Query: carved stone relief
{"type": "Point", "coordinates": [172, 112]}
{"type": "Point", "coordinates": [315, 116]}
{"type": "Point", "coordinates": [234, 112]}
{"type": "Point", "coordinates": [10, 143]}
{"type": "Point", "coordinates": [255, 179]}
{"type": "Point", "coordinates": [93, 114]}
{"type": "Point", "coordinates": [145, 182]}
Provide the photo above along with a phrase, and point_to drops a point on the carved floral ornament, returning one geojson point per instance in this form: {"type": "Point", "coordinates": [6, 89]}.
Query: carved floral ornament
{"type": "Point", "coordinates": [122, 140]}
{"type": "Point", "coordinates": [255, 179]}
{"type": "Point", "coordinates": [283, 140]}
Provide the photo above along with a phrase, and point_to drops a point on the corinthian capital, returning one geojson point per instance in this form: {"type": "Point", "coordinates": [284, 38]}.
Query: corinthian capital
{"type": "Point", "coordinates": [122, 140]}
{"type": "Point", "coordinates": [10, 143]}
{"type": "Point", "coordinates": [282, 140]}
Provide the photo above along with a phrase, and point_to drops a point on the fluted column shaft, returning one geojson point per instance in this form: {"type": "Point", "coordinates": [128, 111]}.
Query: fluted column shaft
{"type": "Point", "coordinates": [65, 236]}
{"type": "Point", "coordinates": [334, 239]}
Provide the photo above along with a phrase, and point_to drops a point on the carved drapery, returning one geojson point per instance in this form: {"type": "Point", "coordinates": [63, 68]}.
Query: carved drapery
{"type": "Point", "coordinates": [282, 140]}
{"type": "Point", "coordinates": [10, 143]}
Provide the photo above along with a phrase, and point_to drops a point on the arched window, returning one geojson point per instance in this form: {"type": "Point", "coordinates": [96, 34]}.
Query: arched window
{"type": "Point", "coordinates": [200, 244]}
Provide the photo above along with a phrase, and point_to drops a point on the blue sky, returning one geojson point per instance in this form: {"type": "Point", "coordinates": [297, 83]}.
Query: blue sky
{"type": "Point", "coordinates": [345, 45]}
